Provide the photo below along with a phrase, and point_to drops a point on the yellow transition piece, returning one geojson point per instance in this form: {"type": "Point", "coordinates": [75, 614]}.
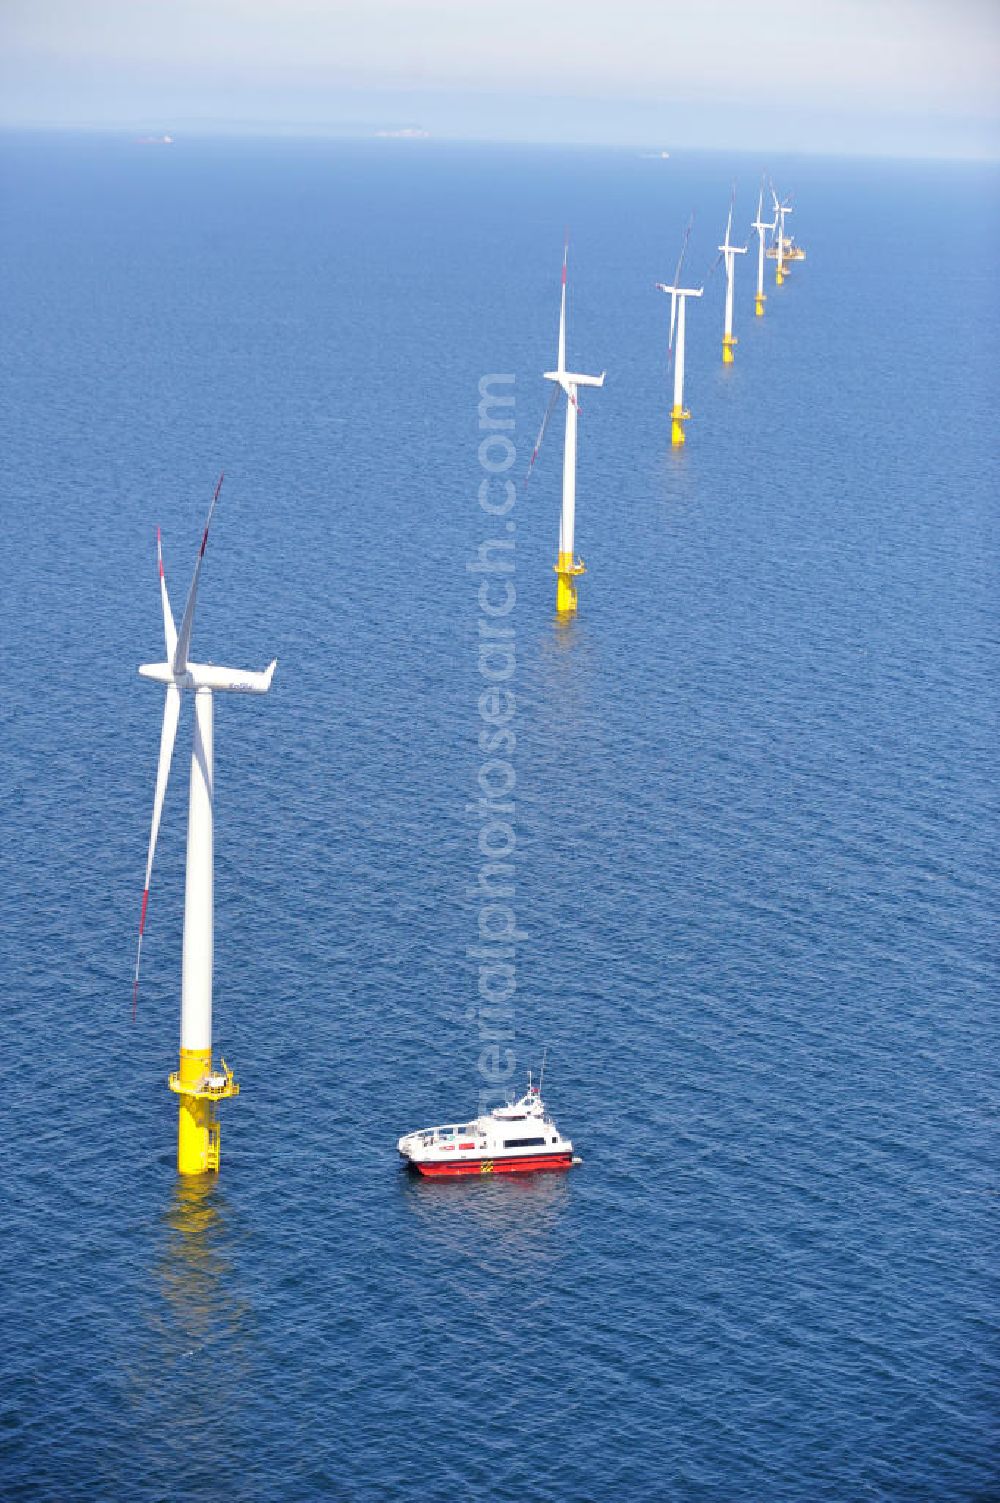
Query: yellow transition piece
{"type": "Point", "coordinates": [199, 1136]}
{"type": "Point", "coordinates": [678, 417]}
{"type": "Point", "coordinates": [567, 571]}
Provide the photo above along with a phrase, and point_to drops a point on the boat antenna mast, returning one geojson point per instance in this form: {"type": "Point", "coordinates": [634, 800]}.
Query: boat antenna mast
{"type": "Point", "coordinates": [541, 1073]}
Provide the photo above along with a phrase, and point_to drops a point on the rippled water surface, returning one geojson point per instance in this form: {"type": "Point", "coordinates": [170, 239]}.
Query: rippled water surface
{"type": "Point", "coordinates": [754, 809]}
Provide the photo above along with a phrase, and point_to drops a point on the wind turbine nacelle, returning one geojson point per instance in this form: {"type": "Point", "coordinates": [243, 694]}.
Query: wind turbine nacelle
{"type": "Point", "coordinates": [569, 378]}
{"type": "Point", "coordinates": [208, 676]}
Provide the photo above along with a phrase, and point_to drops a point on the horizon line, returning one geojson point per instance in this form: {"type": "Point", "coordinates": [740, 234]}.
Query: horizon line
{"type": "Point", "coordinates": [397, 133]}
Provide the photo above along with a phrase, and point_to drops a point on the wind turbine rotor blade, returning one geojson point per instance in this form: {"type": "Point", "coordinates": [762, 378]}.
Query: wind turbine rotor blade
{"type": "Point", "coordinates": [673, 324]}
{"type": "Point", "coordinates": [171, 714]}
{"type": "Point", "coordinates": [184, 637]}
{"type": "Point", "coordinates": [541, 432]}
{"type": "Point", "coordinates": [561, 362]}
{"type": "Point", "coordinates": [169, 629]}
{"type": "Point", "coordinates": [684, 246]}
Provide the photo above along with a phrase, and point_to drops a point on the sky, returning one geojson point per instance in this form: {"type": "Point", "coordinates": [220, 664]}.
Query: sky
{"type": "Point", "coordinates": [881, 77]}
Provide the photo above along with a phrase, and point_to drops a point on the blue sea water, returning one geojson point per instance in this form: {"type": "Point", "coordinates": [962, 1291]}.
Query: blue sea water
{"type": "Point", "coordinates": [755, 819]}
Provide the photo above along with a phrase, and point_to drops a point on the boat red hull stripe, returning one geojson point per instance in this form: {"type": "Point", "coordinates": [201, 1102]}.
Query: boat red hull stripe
{"type": "Point", "coordinates": [520, 1165]}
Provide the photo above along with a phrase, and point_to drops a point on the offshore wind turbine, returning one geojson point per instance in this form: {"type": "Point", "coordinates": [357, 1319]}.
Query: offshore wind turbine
{"type": "Point", "coordinates": [678, 298]}
{"type": "Point", "coordinates": [762, 227]}
{"type": "Point", "coordinates": [780, 210]}
{"type": "Point", "coordinates": [196, 1082]}
{"type": "Point", "coordinates": [567, 567]}
{"type": "Point", "coordinates": [729, 254]}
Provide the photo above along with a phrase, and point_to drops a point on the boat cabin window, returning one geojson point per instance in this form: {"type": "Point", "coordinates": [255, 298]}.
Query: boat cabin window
{"type": "Point", "coordinates": [523, 1142]}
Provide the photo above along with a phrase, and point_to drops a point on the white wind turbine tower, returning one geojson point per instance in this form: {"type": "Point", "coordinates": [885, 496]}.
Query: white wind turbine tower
{"type": "Point", "coordinates": [568, 567]}
{"type": "Point", "coordinates": [678, 299]}
{"type": "Point", "coordinates": [762, 227]}
{"type": "Point", "coordinates": [729, 254]}
{"type": "Point", "coordinates": [780, 210]}
{"type": "Point", "coordinates": [196, 1082]}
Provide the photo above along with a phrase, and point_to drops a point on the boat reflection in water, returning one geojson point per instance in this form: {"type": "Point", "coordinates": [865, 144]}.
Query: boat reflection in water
{"type": "Point", "coordinates": [511, 1221]}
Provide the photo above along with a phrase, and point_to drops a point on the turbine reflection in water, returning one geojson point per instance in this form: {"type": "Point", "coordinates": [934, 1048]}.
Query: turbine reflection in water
{"type": "Point", "coordinates": [193, 1270]}
{"type": "Point", "coordinates": [193, 1364]}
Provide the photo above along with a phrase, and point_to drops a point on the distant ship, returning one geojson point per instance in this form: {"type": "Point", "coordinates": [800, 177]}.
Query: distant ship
{"type": "Point", "coordinates": [512, 1139]}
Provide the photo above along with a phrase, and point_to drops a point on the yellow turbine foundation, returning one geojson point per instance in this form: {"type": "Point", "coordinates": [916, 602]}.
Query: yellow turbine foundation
{"type": "Point", "coordinates": [728, 342]}
{"type": "Point", "coordinates": [678, 417]}
{"type": "Point", "coordinates": [199, 1136]}
{"type": "Point", "coordinates": [567, 571]}
{"type": "Point", "coordinates": [779, 275]}
{"type": "Point", "coordinates": [758, 304]}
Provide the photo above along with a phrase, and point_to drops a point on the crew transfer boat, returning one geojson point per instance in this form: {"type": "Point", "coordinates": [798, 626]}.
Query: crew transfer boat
{"type": "Point", "coordinates": [512, 1139]}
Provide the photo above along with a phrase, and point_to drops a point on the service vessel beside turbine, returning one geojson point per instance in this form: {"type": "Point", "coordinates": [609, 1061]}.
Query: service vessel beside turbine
{"type": "Point", "coordinates": [197, 1082]}
{"type": "Point", "coordinates": [519, 1138]}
